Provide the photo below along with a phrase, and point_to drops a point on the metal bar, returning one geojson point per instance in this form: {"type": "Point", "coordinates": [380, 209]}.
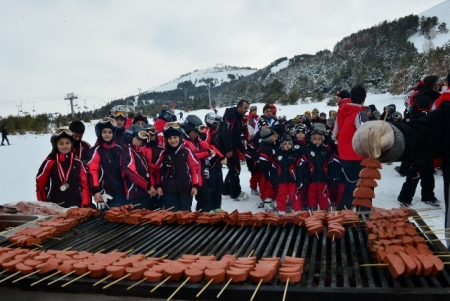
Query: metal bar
{"type": "Point", "coordinates": [288, 241]}
{"type": "Point", "coordinates": [333, 264]}
{"type": "Point", "coordinates": [227, 239]}
{"type": "Point", "coordinates": [312, 261]}
{"type": "Point", "coordinates": [342, 251]}
{"type": "Point", "coordinates": [357, 273]}
{"type": "Point", "coordinates": [323, 261]}
{"type": "Point", "coordinates": [363, 247]}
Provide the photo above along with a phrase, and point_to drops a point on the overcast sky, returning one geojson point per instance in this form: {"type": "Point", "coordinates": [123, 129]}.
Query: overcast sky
{"type": "Point", "coordinates": [103, 50]}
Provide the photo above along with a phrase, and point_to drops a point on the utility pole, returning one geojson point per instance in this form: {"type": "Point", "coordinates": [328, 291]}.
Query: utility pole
{"type": "Point", "coordinates": [71, 97]}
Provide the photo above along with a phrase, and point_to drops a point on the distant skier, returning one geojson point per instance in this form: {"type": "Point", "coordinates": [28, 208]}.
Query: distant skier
{"type": "Point", "coordinates": [215, 111]}
{"type": "Point", "coordinates": [4, 135]}
{"type": "Point", "coordinates": [181, 115]}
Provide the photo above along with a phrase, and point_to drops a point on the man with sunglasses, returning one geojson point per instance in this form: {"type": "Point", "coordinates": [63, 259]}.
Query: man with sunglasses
{"type": "Point", "coordinates": [120, 116]}
{"type": "Point", "coordinates": [235, 129]}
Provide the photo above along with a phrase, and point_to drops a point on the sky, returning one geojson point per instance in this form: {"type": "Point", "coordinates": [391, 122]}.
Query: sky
{"type": "Point", "coordinates": [104, 50]}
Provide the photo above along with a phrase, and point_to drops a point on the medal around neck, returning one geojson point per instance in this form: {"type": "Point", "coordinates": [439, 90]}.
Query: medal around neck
{"type": "Point", "coordinates": [64, 187]}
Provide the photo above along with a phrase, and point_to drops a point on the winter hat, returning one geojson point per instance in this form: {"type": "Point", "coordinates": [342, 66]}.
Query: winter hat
{"type": "Point", "coordinates": [134, 131]}
{"type": "Point", "coordinates": [285, 139]}
{"type": "Point", "coordinates": [140, 117]}
{"type": "Point", "coordinates": [170, 131]}
{"type": "Point", "coordinates": [274, 110]}
{"type": "Point", "coordinates": [262, 122]}
{"type": "Point", "coordinates": [323, 114]}
{"type": "Point", "coordinates": [376, 113]}
{"type": "Point", "coordinates": [266, 135]}
{"type": "Point", "coordinates": [319, 128]}
{"type": "Point", "coordinates": [104, 123]}
{"type": "Point", "coordinates": [300, 128]}
{"type": "Point", "coordinates": [330, 121]}
{"type": "Point", "coordinates": [343, 94]}
{"type": "Point", "coordinates": [77, 127]}
{"type": "Point", "coordinates": [61, 133]}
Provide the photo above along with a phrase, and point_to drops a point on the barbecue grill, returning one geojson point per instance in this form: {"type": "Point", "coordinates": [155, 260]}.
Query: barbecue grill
{"type": "Point", "coordinates": [332, 268]}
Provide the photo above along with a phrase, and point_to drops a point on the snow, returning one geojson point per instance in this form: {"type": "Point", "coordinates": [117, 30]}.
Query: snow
{"type": "Point", "coordinates": [442, 11]}
{"type": "Point", "coordinates": [21, 161]}
{"type": "Point", "coordinates": [280, 66]}
{"type": "Point", "coordinates": [218, 73]}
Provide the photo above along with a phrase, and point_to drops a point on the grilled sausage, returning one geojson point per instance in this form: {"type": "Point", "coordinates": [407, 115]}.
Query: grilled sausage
{"type": "Point", "coordinates": [153, 276]}
{"type": "Point", "coordinates": [194, 275]}
{"type": "Point", "coordinates": [217, 276]}
{"type": "Point", "coordinates": [23, 269]}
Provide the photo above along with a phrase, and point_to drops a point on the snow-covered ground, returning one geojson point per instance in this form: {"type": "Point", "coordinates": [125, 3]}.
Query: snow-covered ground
{"type": "Point", "coordinates": [21, 160]}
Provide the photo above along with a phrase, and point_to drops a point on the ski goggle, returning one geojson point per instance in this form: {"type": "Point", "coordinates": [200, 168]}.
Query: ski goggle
{"type": "Point", "coordinates": [120, 113]}
{"type": "Point", "coordinates": [396, 115]}
{"type": "Point", "coordinates": [174, 125]}
{"type": "Point", "coordinates": [201, 128]}
{"type": "Point", "coordinates": [108, 120]}
{"type": "Point", "coordinates": [142, 134]}
{"type": "Point", "coordinates": [151, 131]}
{"type": "Point", "coordinates": [59, 132]}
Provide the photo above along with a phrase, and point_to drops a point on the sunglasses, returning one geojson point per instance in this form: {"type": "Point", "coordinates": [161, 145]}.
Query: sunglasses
{"type": "Point", "coordinates": [174, 125]}
{"type": "Point", "coordinates": [58, 132]}
{"type": "Point", "coordinates": [120, 113]}
{"type": "Point", "coordinates": [151, 131]}
{"type": "Point", "coordinates": [108, 120]}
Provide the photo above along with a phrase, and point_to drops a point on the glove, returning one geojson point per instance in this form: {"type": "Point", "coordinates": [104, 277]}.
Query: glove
{"type": "Point", "coordinates": [373, 139]}
{"type": "Point", "coordinates": [102, 205]}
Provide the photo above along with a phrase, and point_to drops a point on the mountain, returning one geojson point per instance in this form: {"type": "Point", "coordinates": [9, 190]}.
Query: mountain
{"type": "Point", "coordinates": [213, 77]}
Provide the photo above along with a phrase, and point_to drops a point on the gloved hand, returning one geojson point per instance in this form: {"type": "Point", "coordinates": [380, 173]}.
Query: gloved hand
{"type": "Point", "coordinates": [102, 204]}
{"type": "Point", "coordinates": [373, 139]}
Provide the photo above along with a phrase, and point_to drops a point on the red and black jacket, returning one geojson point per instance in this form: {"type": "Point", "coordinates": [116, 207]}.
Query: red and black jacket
{"type": "Point", "coordinates": [423, 103]}
{"type": "Point", "coordinates": [317, 164]}
{"type": "Point", "coordinates": [48, 182]}
{"type": "Point", "coordinates": [266, 159]}
{"type": "Point", "coordinates": [177, 170]}
{"type": "Point", "coordinates": [104, 168]}
{"type": "Point", "coordinates": [287, 165]}
{"type": "Point", "coordinates": [119, 137]}
{"type": "Point", "coordinates": [135, 171]}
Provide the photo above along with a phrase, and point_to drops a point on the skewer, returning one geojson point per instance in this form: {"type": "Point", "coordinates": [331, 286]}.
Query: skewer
{"type": "Point", "coordinates": [253, 226]}
{"type": "Point", "coordinates": [13, 244]}
{"type": "Point", "coordinates": [317, 235]}
{"type": "Point", "coordinates": [99, 251]}
{"type": "Point", "coordinates": [438, 239]}
{"type": "Point", "coordinates": [3, 271]}
{"type": "Point", "coordinates": [45, 278]}
{"type": "Point", "coordinates": [427, 209]}
{"type": "Point", "coordinates": [57, 238]}
{"type": "Point", "coordinates": [414, 219]}
{"type": "Point", "coordinates": [73, 280]}
{"type": "Point", "coordinates": [225, 227]}
{"type": "Point", "coordinates": [62, 277]}
{"type": "Point", "coordinates": [181, 285]}
{"type": "Point", "coordinates": [10, 276]}
{"type": "Point", "coordinates": [137, 283]}
{"type": "Point", "coordinates": [285, 290]}
{"type": "Point", "coordinates": [114, 282]}
{"type": "Point", "coordinates": [251, 253]}
{"type": "Point", "coordinates": [374, 265]}
{"type": "Point", "coordinates": [256, 290]}
{"type": "Point", "coordinates": [101, 280]}
{"type": "Point", "coordinates": [331, 241]}
{"type": "Point", "coordinates": [224, 287]}
{"type": "Point", "coordinates": [150, 253]}
{"type": "Point", "coordinates": [25, 276]}
{"type": "Point", "coordinates": [112, 251]}
{"type": "Point", "coordinates": [137, 205]}
{"type": "Point", "coordinates": [67, 249]}
{"type": "Point", "coordinates": [161, 283]}
{"type": "Point", "coordinates": [206, 285]}
{"type": "Point", "coordinates": [38, 246]}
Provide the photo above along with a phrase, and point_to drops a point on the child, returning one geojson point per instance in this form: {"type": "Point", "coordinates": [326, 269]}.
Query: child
{"type": "Point", "coordinates": [287, 167]}
{"type": "Point", "coordinates": [81, 148]}
{"type": "Point", "coordinates": [104, 166]}
{"type": "Point", "coordinates": [135, 168]}
{"type": "Point", "coordinates": [62, 178]}
{"type": "Point", "coordinates": [317, 171]}
{"type": "Point", "coordinates": [266, 160]}
{"type": "Point", "coordinates": [120, 116]}
{"type": "Point", "coordinates": [177, 171]}
{"type": "Point", "coordinates": [252, 157]}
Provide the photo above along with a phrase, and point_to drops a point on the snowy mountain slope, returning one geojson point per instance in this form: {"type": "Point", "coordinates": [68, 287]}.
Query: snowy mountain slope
{"type": "Point", "coordinates": [442, 11]}
{"type": "Point", "coordinates": [216, 75]}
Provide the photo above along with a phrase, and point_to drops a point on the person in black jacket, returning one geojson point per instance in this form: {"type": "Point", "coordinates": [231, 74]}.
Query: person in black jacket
{"type": "Point", "coordinates": [81, 148]}
{"type": "Point", "coordinates": [235, 129]}
{"type": "Point", "coordinates": [405, 142]}
{"type": "Point", "coordinates": [4, 135]}
{"type": "Point", "coordinates": [423, 169]}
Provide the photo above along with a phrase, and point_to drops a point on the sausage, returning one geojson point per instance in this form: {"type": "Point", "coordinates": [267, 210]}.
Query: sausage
{"type": "Point", "coordinates": [396, 265]}
{"type": "Point", "coordinates": [371, 162]}
{"type": "Point", "coordinates": [97, 271]}
{"type": "Point", "coordinates": [46, 267]}
{"type": "Point", "coordinates": [217, 265]}
{"type": "Point", "coordinates": [80, 268]}
{"type": "Point", "coordinates": [23, 269]}
{"type": "Point", "coordinates": [217, 276]}
{"type": "Point", "coordinates": [365, 202]}
{"type": "Point", "coordinates": [237, 275]}
{"type": "Point", "coordinates": [201, 266]}
{"type": "Point", "coordinates": [364, 182]}
{"type": "Point", "coordinates": [293, 260]}
{"type": "Point", "coordinates": [370, 173]}
{"type": "Point", "coordinates": [135, 273]}
{"type": "Point", "coordinates": [10, 266]}
{"type": "Point", "coordinates": [293, 277]}
{"type": "Point", "coordinates": [65, 268]}
{"type": "Point", "coordinates": [438, 265]}
{"type": "Point", "coordinates": [175, 271]}
{"type": "Point", "coordinates": [334, 234]}
{"type": "Point", "coordinates": [194, 275]}
{"type": "Point", "coordinates": [363, 193]}
{"type": "Point", "coordinates": [32, 263]}
{"type": "Point", "coordinates": [116, 271]}
{"type": "Point", "coordinates": [153, 276]}
{"type": "Point", "coordinates": [427, 264]}
{"type": "Point", "coordinates": [410, 264]}
{"type": "Point", "coordinates": [261, 275]}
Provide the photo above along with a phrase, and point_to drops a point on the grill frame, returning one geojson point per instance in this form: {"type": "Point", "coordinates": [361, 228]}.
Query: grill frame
{"type": "Point", "coordinates": [331, 267]}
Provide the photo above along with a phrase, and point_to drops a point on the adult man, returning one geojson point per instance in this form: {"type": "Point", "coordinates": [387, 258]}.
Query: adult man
{"type": "Point", "coordinates": [236, 130]}
{"type": "Point", "coordinates": [350, 117]}
{"type": "Point", "coordinates": [422, 169]}
{"type": "Point", "coordinates": [405, 142]}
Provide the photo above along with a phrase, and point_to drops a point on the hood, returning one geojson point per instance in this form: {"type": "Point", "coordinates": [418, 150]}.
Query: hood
{"type": "Point", "coordinates": [343, 102]}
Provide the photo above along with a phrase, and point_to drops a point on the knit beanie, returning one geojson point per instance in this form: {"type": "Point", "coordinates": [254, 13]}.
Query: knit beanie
{"type": "Point", "coordinates": [266, 135]}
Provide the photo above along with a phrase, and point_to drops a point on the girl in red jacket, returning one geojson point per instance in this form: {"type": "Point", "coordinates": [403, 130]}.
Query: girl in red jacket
{"type": "Point", "coordinates": [177, 171]}
{"type": "Point", "coordinates": [62, 179]}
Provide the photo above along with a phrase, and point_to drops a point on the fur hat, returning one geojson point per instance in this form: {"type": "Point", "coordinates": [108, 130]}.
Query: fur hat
{"type": "Point", "coordinates": [266, 135]}
{"type": "Point", "coordinates": [319, 128]}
